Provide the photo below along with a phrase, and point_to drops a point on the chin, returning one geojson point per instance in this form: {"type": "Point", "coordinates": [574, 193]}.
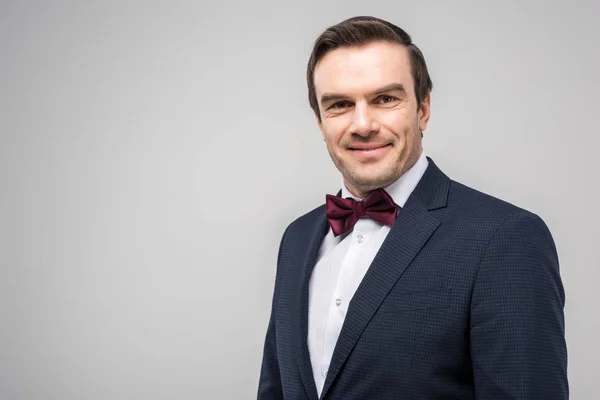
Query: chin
{"type": "Point", "coordinates": [371, 181]}
{"type": "Point", "coordinates": [374, 171]}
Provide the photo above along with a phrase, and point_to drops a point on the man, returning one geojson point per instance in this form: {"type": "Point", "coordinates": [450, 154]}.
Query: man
{"type": "Point", "coordinates": [407, 285]}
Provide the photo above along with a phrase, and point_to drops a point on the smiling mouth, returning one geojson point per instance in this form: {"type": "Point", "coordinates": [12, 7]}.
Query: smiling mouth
{"type": "Point", "coordinates": [369, 148]}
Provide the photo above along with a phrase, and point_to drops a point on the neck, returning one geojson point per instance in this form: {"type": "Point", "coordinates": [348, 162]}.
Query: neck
{"type": "Point", "coordinates": [358, 192]}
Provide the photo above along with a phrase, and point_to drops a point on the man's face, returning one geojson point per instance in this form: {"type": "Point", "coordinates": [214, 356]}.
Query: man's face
{"type": "Point", "coordinates": [370, 118]}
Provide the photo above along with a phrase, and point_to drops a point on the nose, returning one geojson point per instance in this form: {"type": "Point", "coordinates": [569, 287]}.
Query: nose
{"type": "Point", "coordinates": [363, 122]}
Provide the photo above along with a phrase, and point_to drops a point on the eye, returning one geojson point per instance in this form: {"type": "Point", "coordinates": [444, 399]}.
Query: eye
{"type": "Point", "coordinates": [340, 105]}
{"type": "Point", "coordinates": [386, 99]}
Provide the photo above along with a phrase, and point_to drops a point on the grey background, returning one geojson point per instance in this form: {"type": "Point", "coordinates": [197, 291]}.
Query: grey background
{"type": "Point", "coordinates": [152, 153]}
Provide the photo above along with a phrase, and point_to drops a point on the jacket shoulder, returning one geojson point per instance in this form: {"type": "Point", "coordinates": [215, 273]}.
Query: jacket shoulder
{"type": "Point", "coordinates": [471, 205]}
{"type": "Point", "coordinates": [307, 220]}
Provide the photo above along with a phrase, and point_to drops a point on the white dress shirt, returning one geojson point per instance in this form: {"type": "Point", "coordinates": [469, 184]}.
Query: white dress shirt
{"type": "Point", "coordinates": [341, 265]}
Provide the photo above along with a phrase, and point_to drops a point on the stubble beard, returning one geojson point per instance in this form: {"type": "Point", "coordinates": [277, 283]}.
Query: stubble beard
{"type": "Point", "coordinates": [389, 173]}
{"type": "Point", "coordinates": [364, 184]}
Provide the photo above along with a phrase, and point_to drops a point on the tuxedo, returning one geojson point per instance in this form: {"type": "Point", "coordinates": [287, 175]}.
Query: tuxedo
{"type": "Point", "coordinates": [463, 300]}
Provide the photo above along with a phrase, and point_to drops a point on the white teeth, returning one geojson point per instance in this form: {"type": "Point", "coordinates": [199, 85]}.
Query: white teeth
{"type": "Point", "coordinates": [373, 148]}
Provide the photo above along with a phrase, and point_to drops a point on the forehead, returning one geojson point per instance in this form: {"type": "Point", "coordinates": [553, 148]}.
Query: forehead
{"type": "Point", "coordinates": [364, 68]}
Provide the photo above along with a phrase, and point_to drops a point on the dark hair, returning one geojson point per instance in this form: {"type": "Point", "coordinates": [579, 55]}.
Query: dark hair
{"type": "Point", "coordinates": [358, 31]}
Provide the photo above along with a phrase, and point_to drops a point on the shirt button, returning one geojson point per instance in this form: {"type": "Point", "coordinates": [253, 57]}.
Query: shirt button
{"type": "Point", "coordinates": [338, 302]}
{"type": "Point", "coordinates": [360, 238]}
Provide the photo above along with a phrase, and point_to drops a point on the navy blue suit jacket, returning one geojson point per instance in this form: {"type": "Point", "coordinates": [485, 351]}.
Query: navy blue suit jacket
{"type": "Point", "coordinates": [463, 301]}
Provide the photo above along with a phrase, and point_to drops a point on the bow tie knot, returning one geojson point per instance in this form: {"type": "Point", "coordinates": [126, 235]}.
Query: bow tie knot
{"type": "Point", "coordinates": [359, 209]}
{"type": "Point", "coordinates": [343, 214]}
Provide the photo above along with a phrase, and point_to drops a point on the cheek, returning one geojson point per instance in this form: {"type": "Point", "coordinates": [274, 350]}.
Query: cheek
{"type": "Point", "coordinates": [334, 133]}
{"type": "Point", "coordinates": [400, 125]}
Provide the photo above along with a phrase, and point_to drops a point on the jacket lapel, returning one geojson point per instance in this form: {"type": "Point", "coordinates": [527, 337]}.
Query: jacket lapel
{"type": "Point", "coordinates": [411, 231]}
{"type": "Point", "coordinates": [314, 237]}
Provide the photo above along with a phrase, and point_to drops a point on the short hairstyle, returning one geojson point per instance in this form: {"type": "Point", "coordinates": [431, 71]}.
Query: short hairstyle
{"type": "Point", "coordinates": [358, 31]}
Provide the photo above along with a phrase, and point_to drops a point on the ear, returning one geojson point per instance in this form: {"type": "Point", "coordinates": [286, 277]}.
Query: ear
{"type": "Point", "coordinates": [424, 112]}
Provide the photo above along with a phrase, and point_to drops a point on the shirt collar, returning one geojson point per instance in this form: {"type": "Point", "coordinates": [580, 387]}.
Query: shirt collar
{"type": "Point", "coordinates": [402, 188]}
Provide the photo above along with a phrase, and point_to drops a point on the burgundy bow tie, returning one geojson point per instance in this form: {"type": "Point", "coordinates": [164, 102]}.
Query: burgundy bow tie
{"type": "Point", "coordinates": [342, 213]}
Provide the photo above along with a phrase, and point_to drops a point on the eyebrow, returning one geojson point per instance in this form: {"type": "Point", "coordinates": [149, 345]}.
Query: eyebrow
{"type": "Point", "coordinates": [392, 87]}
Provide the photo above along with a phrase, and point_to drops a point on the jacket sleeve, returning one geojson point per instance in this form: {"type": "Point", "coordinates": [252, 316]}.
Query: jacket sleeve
{"type": "Point", "coordinates": [269, 384]}
{"type": "Point", "coordinates": [517, 332]}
